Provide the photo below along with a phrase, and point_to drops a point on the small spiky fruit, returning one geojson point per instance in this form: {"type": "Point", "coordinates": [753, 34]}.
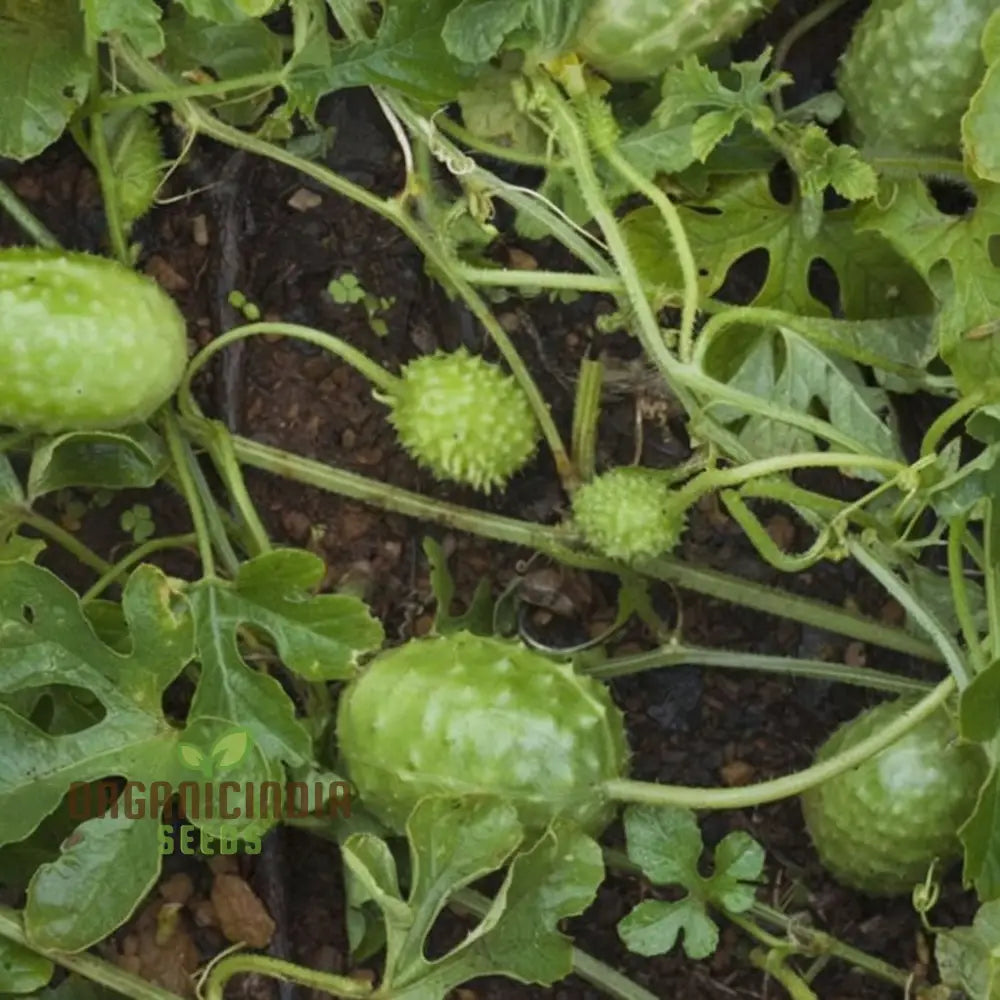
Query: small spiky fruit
{"type": "Point", "coordinates": [878, 827]}
{"type": "Point", "coordinates": [471, 715]}
{"type": "Point", "coordinates": [627, 514]}
{"type": "Point", "coordinates": [464, 419]}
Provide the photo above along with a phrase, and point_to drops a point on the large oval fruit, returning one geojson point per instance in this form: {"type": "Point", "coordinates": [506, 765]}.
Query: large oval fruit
{"type": "Point", "coordinates": [910, 71]}
{"type": "Point", "coordinates": [467, 715]}
{"type": "Point", "coordinates": [877, 828]}
{"type": "Point", "coordinates": [85, 343]}
{"type": "Point", "coordinates": [637, 39]}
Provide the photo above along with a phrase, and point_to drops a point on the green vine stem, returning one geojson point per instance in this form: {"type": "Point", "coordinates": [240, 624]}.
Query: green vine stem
{"type": "Point", "coordinates": [559, 543]}
{"type": "Point", "coordinates": [471, 174]}
{"type": "Point", "coordinates": [375, 373]}
{"type": "Point", "coordinates": [765, 545]}
{"type": "Point", "coordinates": [20, 213]}
{"type": "Point", "coordinates": [670, 215]}
{"type": "Point", "coordinates": [197, 119]}
{"type": "Point", "coordinates": [680, 654]}
{"type": "Point", "coordinates": [47, 527]}
{"type": "Point", "coordinates": [772, 962]}
{"type": "Point", "coordinates": [189, 490]}
{"type": "Point", "coordinates": [683, 378]}
{"type": "Point", "coordinates": [808, 327]}
{"type": "Point", "coordinates": [578, 153]}
{"type": "Point", "coordinates": [276, 968]}
{"type": "Point", "coordinates": [925, 618]}
{"type": "Point", "coordinates": [221, 527]}
{"type": "Point", "coordinates": [220, 447]}
{"type": "Point", "coordinates": [479, 184]}
{"type": "Point", "coordinates": [98, 151]}
{"type": "Point", "coordinates": [788, 786]}
{"type": "Point", "coordinates": [505, 277]}
{"type": "Point", "coordinates": [586, 413]}
{"type": "Point", "coordinates": [816, 943]}
{"type": "Point", "coordinates": [801, 27]}
{"type": "Point", "coordinates": [712, 480]}
{"type": "Point", "coordinates": [498, 152]}
{"type": "Point", "coordinates": [960, 592]}
{"type": "Point", "coordinates": [83, 964]}
{"type": "Point", "coordinates": [945, 421]}
{"type": "Point", "coordinates": [991, 580]}
{"type": "Point", "coordinates": [137, 555]}
{"type": "Point", "coordinates": [216, 88]}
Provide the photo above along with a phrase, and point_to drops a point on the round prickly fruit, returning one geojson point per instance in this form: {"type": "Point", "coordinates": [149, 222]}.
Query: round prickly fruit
{"type": "Point", "coordinates": [878, 827]}
{"type": "Point", "coordinates": [468, 715]}
{"type": "Point", "coordinates": [626, 514]}
{"type": "Point", "coordinates": [85, 343]}
{"type": "Point", "coordinates": [911, 70]}
{"type": "Point", "coordinates": [464, 419]}
{"type": "Point", "coordinates": [637, 39]}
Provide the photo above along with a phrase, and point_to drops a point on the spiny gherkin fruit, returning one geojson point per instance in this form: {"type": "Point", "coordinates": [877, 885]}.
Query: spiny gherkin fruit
{"type": "Point", "coordinates": [472, 715]}
{"type": "Point", "coordinates": [878, 827]}
{"type": "Point", "coordinates": [464, 419]}
{"type": "Point", "coordinates": [639, 39]}
{"type": "Point", "coordinates": [910, 71]}
{"type": "Point", "coordinates": [627, 514]}
{"type": "Point", "coordinates": [85, 342]}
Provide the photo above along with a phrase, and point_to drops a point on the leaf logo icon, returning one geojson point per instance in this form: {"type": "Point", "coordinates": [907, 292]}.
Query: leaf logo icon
{"type": "Point", "coordinates": [230, 749]}
{"type": "Point", "coordinates": [191, 756]}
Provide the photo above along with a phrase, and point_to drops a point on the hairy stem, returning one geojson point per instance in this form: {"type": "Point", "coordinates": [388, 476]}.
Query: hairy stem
{"type": "Point", "coordinates": [20, 213]}
{"type": "Point", "coordinates": [276, 968]}
{"type": "Point", "coordinates": [682, 654]}
{"type": "Point", "coordinates": [558, 542]}
{"type": "Point", "coordinates": [137, 555]}
{"type": "Point", "coordinates": [47, 527]}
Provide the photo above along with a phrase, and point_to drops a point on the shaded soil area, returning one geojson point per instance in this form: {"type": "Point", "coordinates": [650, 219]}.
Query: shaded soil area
{"type": "Point", "coordinates": [246, 225]}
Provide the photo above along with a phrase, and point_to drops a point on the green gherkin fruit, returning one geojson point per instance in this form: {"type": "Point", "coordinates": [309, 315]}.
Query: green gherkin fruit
{"type": "Point", "coordinates": [463, 419]}
{"type": "Point", "coordinates": [878, 827]}
{"type": "Point", "coordinates": [627, 514]}
{"type": "Point", "coordinates": [638, 39]}
{"type": "Point", "coordinates": [468, 715]}
{"type": "Point", "coordinates": [85, 343]}
{"type": "Point", "coordinates": [911, 70]}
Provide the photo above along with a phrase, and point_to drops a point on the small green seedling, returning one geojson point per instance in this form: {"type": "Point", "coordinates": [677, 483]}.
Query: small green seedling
{"type": "Point", "coordinates": [348, 290]}
{"type": "Point", "coordinates": [666, 844]}
{"type": "Point", "coordinates": [138, 522]}
{"type": "Point", "coordinates": [239, 301]}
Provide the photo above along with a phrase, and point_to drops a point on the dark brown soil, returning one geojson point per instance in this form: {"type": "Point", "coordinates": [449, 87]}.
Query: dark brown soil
{"type": "Point", "coordinates": [688, 725]}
